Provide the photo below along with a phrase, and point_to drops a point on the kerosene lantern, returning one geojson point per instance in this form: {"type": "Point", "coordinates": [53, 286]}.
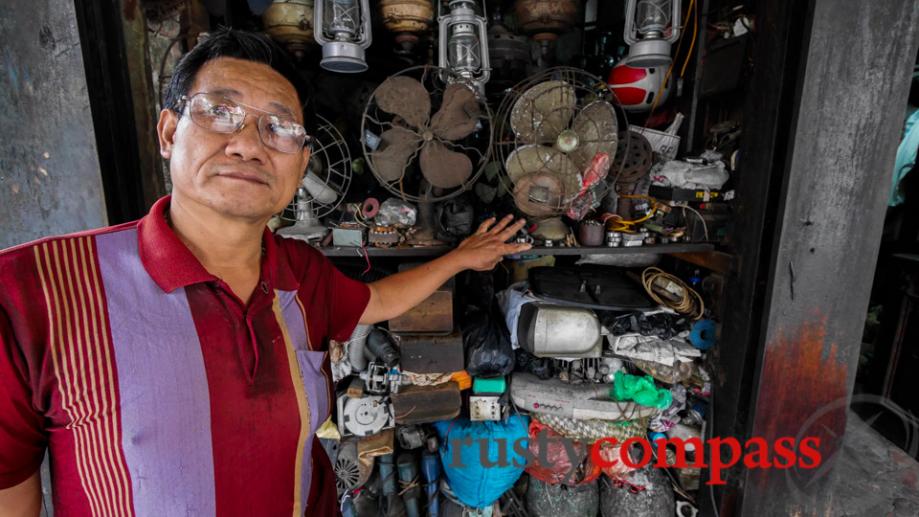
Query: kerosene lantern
{"type": "Point", "coordinates": [650, 27]}
{"type": "Point", "coordinates": [463, 43]}
{"type": "Point", "coordinates": [342, 27]}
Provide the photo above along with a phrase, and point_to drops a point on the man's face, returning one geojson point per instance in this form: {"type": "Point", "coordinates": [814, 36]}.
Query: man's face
{"type": "Point", "coordinates": [234, 174]}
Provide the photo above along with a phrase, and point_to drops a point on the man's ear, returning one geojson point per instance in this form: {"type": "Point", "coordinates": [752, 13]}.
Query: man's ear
{"type": "Point", "coordinates": [165, 131]}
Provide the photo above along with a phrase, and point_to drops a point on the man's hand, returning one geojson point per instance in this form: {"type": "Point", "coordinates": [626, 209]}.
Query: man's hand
{"type": "Point", "coordinates": [486, 247]}
{"type": "Point", "coordinates": [396, 294]}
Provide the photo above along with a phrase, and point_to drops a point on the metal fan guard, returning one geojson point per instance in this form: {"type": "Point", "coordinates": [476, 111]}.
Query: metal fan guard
{"type": "Point", "coordinates": [347, 475]}
{"type": "Point", "coordinates": [587, 88]}
{"type": "Point", "coordinates": [374, 120]}
{"type": "Point", "coordinates": [331, 151]}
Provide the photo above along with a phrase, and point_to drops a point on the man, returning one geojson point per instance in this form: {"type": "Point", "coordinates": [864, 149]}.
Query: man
{"type": "Point", "coordinates": [176, 365]}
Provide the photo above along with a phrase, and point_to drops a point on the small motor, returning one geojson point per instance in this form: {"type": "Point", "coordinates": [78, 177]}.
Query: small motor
{"type": "Point", "coordinates": [364, 416]}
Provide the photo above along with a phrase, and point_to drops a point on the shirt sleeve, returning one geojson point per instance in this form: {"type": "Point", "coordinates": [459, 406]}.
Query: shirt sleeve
{"type": "Point", "coordinates": [22, 436]}
{"type": "Point", "coordinates": [348, 298]}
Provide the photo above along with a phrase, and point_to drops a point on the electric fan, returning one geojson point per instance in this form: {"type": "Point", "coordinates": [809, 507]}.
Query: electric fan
{"type": "Point", "coordinates": [328, 175]}
{"type": "Point", "coordinates": [557, 137]}
{"type": "Point", "coordinates": [426, 135]}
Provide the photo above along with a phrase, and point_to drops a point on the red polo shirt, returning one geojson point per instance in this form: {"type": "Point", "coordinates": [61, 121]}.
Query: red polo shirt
{"type": "Point", "coordinates": [155, 389]}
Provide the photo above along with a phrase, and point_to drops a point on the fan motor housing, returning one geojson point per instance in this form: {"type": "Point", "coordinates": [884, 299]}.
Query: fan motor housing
{"type": "Point", "coordinates": [557, 331]}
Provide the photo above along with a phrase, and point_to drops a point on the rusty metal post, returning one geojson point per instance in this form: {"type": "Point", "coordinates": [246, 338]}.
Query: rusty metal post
{"type": "Point", "coordinates": [845, 123]}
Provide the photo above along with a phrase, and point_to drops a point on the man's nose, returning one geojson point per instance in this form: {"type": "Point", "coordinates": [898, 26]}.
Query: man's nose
{"type": "Point", "coordinates": [246, 144]}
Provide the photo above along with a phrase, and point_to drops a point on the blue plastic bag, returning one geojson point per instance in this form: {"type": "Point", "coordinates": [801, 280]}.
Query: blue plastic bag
{"type": "Point", "coordinates": [475, 484]}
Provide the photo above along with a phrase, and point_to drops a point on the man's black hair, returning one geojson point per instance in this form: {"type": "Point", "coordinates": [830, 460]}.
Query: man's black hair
{"type": "Point", "coordinates": [251, 46]}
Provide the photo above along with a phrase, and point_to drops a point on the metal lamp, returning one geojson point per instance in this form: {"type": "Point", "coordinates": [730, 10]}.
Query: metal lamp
{"type": "Point", "coordinates": [342, 27]}
{"type": "Point", "coordinates": [650, 27]}
{"type": "Point", "coordinates": [463, 48]}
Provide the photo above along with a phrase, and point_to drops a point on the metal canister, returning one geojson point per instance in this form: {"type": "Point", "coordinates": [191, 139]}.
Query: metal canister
{"type": "Point", "coordinates": [291, 23]}
{"type": "Point", "coordinates": [590, 233]}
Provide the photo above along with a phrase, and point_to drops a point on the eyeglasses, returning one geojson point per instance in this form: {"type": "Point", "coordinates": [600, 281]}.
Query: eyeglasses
{"type": "Point", "coordinates": [221, 115]}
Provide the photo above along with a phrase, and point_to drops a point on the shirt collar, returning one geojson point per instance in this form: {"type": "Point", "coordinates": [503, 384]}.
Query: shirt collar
{"type": "Point", "coordinates": [172, 265]}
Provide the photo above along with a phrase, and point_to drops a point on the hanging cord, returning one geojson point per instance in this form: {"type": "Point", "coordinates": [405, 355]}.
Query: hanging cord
{"type": "Point", "coordinates": [668, 290]}
{"type": "Point", "coordinates": [362, 252]}
{"type": "Point", "coordinates": [695, 29]}
{"type": "Point", "coordinates": [679, 44]}
{"type": "Point", "coordinates": [702, 219]}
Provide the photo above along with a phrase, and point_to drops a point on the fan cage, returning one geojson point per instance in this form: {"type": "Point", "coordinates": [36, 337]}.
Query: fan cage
{"type": "Point", "coordinates": [477, 145]}
{"type": "Point", "coordinates": [330, 161]}
{"type": "Point", "coordinates": [587, 88]}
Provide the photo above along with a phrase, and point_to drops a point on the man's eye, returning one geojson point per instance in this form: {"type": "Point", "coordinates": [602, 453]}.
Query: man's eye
{"type": "Point", "coordinates": [221, 111]}
{"type": "Point", "coordinates": [283, 127]}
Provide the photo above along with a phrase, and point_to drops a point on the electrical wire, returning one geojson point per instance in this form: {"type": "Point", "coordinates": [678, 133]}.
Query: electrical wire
{"type": "Point", "coordinates": [690, 302]}
{"type": "Point", "coordinates": [702, 219]}
{"type": "Point", "coordinates": [679, 44]}
{"type": "Point", "coordinates": [674, 482]}
{"type": "Point", "coordinates": [695, 29]}
{"type": "Point", "coordinates": [619, 224]}
{"type": "Point", "coordinates": [364, 253]}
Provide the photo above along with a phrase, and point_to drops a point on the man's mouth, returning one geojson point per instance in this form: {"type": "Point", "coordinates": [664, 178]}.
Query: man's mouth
{"type": "Point", "coordinates": [250, 177]}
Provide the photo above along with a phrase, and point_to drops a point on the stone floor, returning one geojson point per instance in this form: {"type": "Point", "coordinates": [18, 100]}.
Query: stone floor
{"type": "Point", "coordinates": [874, 478]}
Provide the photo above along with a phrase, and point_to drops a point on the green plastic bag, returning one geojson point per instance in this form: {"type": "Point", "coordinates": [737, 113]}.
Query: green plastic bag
{"type": "Point", "coordinates": [641, 390]}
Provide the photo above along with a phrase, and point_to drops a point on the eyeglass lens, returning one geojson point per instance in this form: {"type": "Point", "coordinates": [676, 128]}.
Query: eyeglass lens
{"type": "Point", "coordinates": [221, 115]}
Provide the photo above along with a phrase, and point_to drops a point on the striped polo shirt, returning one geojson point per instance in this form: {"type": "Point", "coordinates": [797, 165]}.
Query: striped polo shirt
{"type": "Point", "coordinates": [155, 390]}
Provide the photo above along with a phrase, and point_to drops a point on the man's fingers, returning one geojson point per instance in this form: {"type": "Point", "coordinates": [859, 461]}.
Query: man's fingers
{"type": "Point", "coordinates": [512, 230]}
{"type": "Point", "coordinates": [483, 228]}
{"type": "Point", "coordinates": [510, 249]}
{"type": "Point", "coordinates": [496, 229]}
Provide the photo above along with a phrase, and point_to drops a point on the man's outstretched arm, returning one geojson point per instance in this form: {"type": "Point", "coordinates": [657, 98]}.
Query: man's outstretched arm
{"type": "Point", "coordinates": [481, 251]}
{"type": "Point", "coordinates": [22, 500]}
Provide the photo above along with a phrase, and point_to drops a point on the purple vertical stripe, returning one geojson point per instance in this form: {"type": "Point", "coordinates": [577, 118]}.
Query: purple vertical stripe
{"type": "Point", "coordinates": [164, 401]}
{"type": "Point", "coordinates": [314, 383]}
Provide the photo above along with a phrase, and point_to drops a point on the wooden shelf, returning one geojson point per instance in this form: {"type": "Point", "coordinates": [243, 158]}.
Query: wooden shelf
{"type": "Point", "coordinates": [434, 251]}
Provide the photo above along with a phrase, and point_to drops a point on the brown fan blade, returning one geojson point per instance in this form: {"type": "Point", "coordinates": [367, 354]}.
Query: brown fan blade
{"type": "Point", "coordinates": [458, 114]}
{"type": "Point", "coordinates": [406, 97]}
{"type": "Point", "coordinates": [533, 159]}
{"type": "Point", "coordinates": [543, 111]}
{"type": "Point", "coordinates": [396, 147]}
{"type": "Point", "coordinates": [442, 167]}
{"type": "Point", "coordinates": [597, 132]}
{"type": "Point", "coordinates": [538, 195]}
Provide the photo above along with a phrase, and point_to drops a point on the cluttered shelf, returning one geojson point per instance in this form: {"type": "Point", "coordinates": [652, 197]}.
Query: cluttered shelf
{"type": "Point", "coordinates": [433, 251]}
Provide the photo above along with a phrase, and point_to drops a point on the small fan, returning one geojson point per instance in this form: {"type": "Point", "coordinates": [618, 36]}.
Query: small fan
{"type": "Point", "coordinates": [426, 135]}
{"type": "Point", "coordinates": [350, 472]}
{"type": "Point", "coordinates": [327, 178]}
{"type": "Point", "coordinates": [557, 138]}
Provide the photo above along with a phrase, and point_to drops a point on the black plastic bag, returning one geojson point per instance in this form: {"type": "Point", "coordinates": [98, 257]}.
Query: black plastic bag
{"type": "Point", "coordinates": [487, 343]}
